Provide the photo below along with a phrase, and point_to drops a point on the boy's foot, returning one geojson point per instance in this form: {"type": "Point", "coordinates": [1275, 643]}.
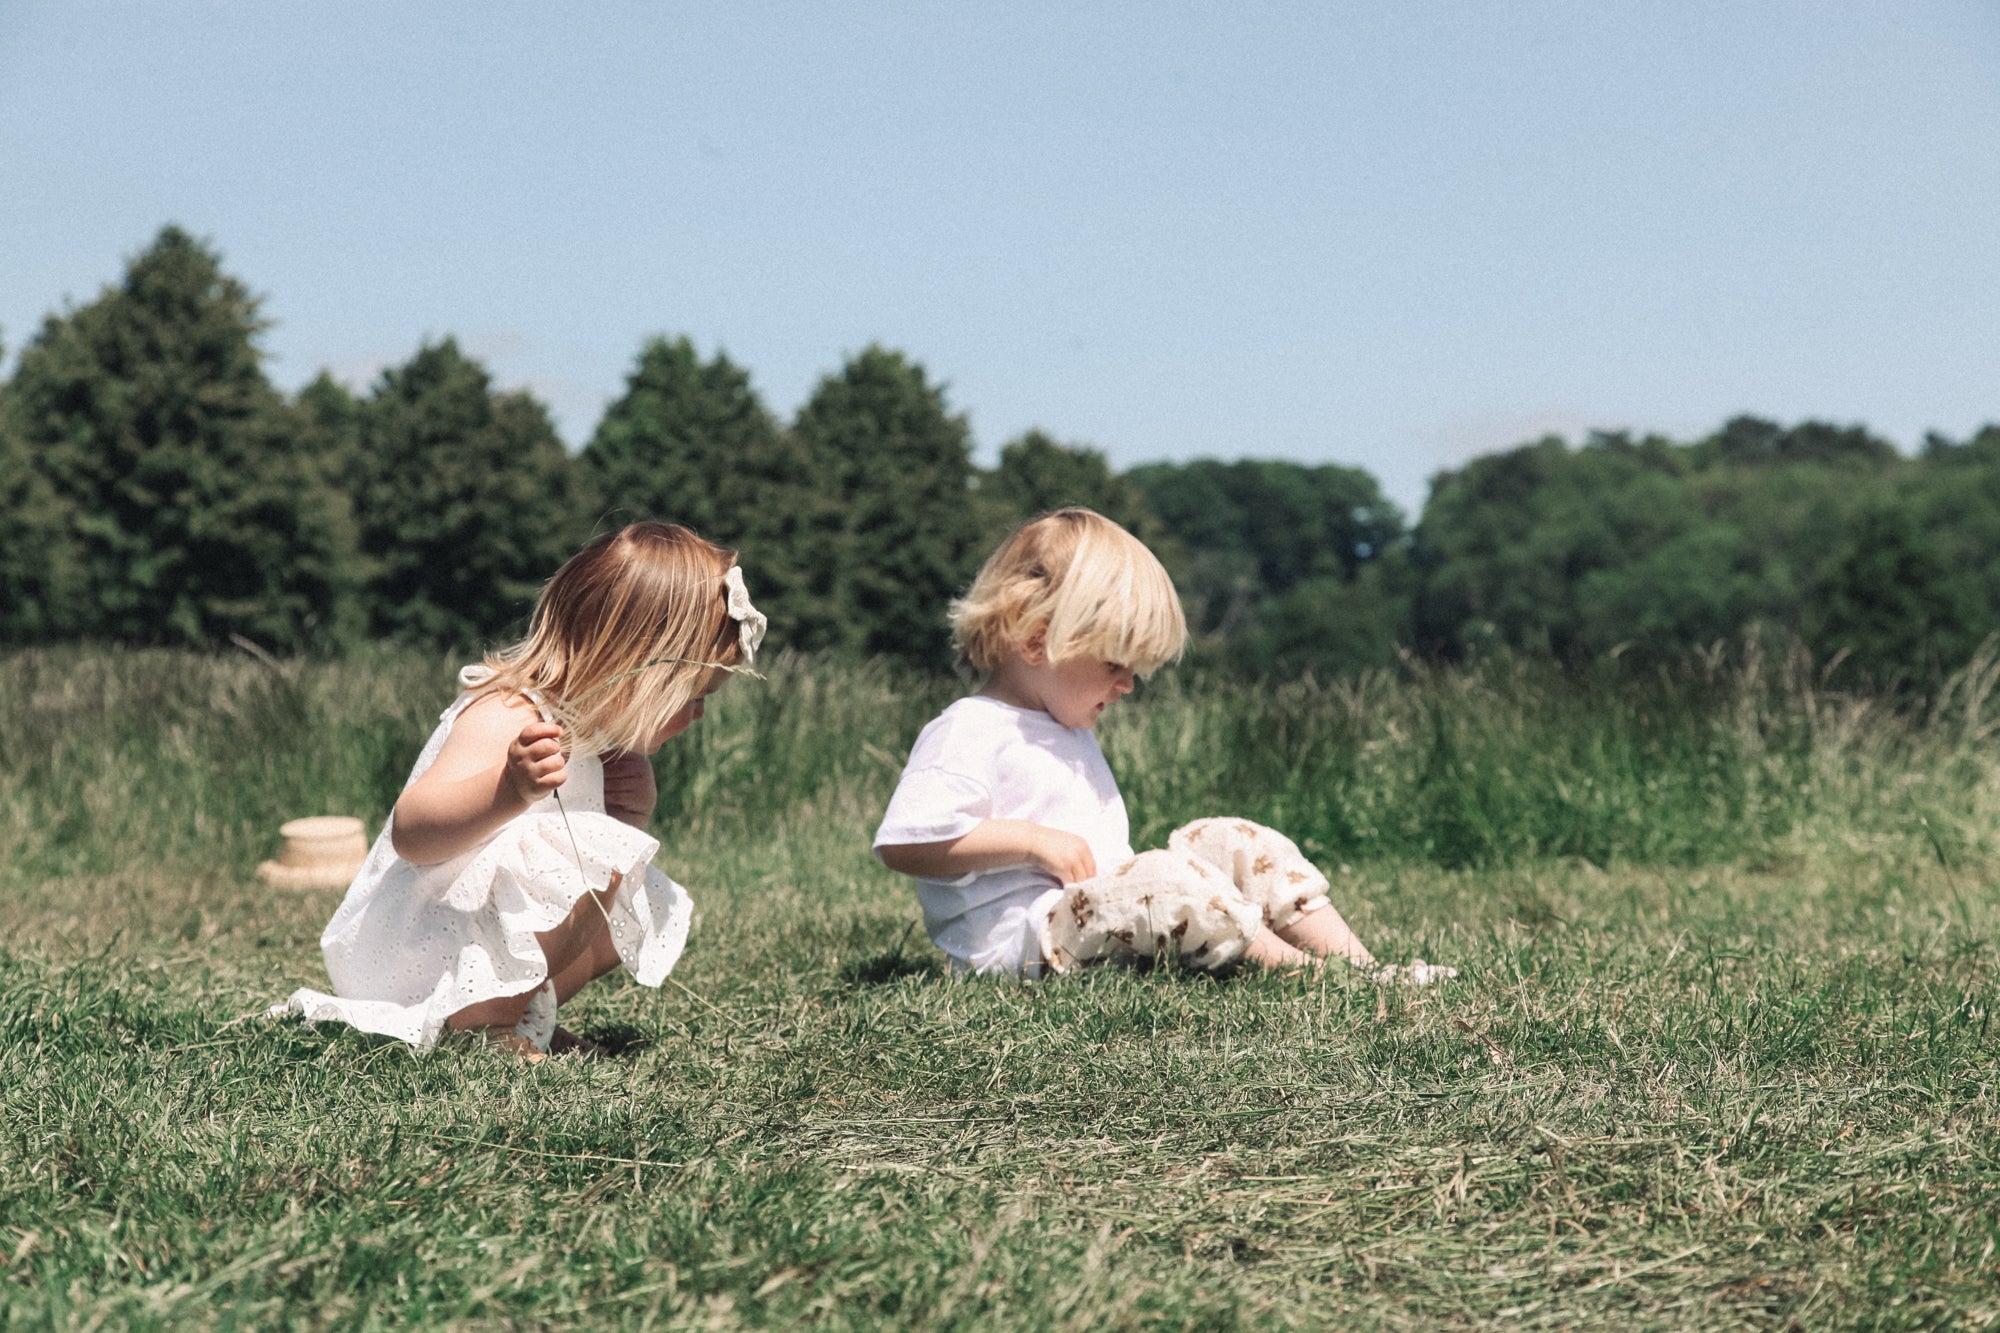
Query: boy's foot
{"type": "Point", "coordinates": [1416, 972]}
{"type": "Point", "coordinates": [565, 1042]}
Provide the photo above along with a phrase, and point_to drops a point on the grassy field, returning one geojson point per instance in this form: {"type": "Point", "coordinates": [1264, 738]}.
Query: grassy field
{"type": "Point", "coordinates": [1721, 1053]}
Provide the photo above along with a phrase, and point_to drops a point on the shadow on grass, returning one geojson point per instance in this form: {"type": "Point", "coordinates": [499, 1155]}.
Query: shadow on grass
{"type": "Point", "coordinates": [886, 968]}
{"type": "Point", "coordinates": [889, 967]}
{"type": "Point", "coordinates": [310, 1042]}
{"type": "Point", "coordinates": [619, 1040]}
{"type": "Point", "coordinates": [892, 965]}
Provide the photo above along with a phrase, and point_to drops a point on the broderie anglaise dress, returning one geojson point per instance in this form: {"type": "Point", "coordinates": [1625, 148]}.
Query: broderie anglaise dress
{"type": "Point", "coordinates": [412, 945]}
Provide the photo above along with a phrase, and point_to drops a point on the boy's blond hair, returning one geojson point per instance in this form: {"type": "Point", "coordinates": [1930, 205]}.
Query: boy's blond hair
{"type": "Point", "coordinates": [628, 632]}
{"type": "Point", "coordinates": [1089, 587]}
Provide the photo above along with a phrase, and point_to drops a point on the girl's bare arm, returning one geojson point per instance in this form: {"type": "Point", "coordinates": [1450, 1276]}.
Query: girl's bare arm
{"type": "Point", "coordinates": [499, 759]}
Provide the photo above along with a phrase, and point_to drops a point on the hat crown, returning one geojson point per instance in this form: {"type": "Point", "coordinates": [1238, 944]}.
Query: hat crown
{"type": "Point", "coordinates": [321, 851]}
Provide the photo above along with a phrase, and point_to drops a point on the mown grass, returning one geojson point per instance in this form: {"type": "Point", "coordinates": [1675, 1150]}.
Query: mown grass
{"type": "Point", "coordinates": [1721, 1053]}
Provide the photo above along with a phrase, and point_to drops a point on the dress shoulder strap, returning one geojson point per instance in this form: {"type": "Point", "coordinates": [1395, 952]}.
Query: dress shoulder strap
{"type": "Point", "coordinates": [477, 674]}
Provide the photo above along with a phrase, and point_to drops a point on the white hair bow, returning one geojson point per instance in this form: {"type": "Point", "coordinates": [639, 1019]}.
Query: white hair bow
{"type": "Point", "coordinates": [750, 622]}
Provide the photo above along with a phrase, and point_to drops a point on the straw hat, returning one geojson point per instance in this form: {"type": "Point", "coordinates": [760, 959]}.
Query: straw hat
{"type": "Point", "coordinates": [321, 852]}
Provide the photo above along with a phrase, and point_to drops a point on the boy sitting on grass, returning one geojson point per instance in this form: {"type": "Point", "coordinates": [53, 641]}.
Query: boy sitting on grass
{"type": "Point", "coordinates": [1009, 819]}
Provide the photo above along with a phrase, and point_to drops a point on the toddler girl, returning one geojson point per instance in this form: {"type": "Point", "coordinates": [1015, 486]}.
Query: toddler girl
{"type": "Point", "coordinates": [1008, 816]}
{"type": "Point", "coordinates": [488, 899]}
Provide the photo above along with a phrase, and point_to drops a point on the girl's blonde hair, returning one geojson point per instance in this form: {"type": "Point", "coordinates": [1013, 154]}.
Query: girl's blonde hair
{"type": "Point", "coordinates": [1088, 586]}
{"type": "Point", "coordinates": [629, 631]}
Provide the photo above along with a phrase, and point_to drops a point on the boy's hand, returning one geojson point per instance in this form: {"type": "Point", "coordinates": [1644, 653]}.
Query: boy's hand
{"type": "Point", "coordinates": [535, 765]}
{"type": "Point", "coordinates": [1063, 855]}
{"type": "Point", "coordinates": [629, 786]}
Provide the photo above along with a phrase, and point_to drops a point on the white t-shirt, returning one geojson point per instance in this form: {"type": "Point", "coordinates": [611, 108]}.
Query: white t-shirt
{"type": "Point", "coordinates": [982, 759]}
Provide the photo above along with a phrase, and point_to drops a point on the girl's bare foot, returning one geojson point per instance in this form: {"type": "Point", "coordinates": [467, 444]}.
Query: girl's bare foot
{"type": "Point", "coordinates": [513, 1043]}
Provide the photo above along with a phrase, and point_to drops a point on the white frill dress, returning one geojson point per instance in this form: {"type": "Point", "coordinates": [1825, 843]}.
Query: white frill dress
{"type": "Point", "coordinates": [412, 945]}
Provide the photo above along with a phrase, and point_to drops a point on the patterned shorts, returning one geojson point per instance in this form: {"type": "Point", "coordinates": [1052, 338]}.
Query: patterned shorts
{"type": "Point", "coordinates": [1203, 899]}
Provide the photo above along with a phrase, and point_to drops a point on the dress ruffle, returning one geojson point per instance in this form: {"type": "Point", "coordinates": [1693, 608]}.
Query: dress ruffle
{"type": "Point", "coordinates": [429, 940]}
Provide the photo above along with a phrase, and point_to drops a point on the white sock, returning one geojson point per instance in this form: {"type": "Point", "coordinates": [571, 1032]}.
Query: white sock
{"type": "Point", "coordinates": [538, 1024]}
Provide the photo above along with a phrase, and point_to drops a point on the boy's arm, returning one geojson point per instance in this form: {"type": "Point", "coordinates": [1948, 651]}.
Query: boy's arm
{"type": "Point", "coordinates": [994, 843]}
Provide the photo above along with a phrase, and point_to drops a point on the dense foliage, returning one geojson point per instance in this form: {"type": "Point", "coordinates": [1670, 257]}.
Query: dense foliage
{"type": "Point", "coordinates": [1647, 546]}
{"type": "Point", "coordinates": [897, 467]}
{"type": "Point", "coordinates": [690, 442]}
{"type": "Point", "coordinates": [156, 488]}
{"type": "Point", "coordinates": [152, 490]}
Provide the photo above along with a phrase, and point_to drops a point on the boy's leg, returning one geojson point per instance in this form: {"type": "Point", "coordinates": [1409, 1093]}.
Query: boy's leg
{"type": "Point", "coordinates": [1159, 902]}
{"type": "Point", "coordinates": [1270, 871]}
{"type": "Point", "coordinates": [1324, 932]}
{"type": "Point", "coordinates": [1269, 949]}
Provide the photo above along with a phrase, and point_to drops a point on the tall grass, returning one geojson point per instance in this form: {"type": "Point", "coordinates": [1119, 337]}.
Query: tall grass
{"type": "Point", "coordinates": [115, 755]}
{"type": "Point", "coordinates": [196, 760]}
{"type": "Point", "coordinates": [1512, 761]}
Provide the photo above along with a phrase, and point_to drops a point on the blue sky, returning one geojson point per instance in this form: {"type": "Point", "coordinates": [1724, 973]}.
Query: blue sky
{"type": "Point", "coordinates": [1389, 236]}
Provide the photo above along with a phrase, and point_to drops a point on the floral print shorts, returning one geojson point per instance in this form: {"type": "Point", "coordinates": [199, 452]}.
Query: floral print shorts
{"type": "Point", "coordinates": [1203, 898]}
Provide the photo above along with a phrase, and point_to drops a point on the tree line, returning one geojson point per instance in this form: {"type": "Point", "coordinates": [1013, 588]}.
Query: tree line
{"type": "Point", "coordinates": [155, 487]}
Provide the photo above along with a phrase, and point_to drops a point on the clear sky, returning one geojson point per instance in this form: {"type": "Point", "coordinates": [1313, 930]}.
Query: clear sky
{"type": "Point", "coordinates": [1388, 235]}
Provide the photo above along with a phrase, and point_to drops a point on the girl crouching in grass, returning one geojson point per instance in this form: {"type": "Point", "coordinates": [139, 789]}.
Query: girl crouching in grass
{"type": "Point", "coordinates": [1009, 819]}
{"type": "Point", "coordinates": [489, 900]}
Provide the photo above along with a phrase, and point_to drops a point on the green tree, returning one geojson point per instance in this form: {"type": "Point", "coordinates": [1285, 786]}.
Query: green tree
{"type": "Point", "coordinates": [1649, 547]}
{"type": "Point", "coordinates": [897, 464]}
{"type": "Point", "coordinates": [690, 442]}
{"type": "Point", "coordinates": [1954, 494]}
{"type": "Point", "coordinates": [468, 502]}
{"type": "Point", "coordinates": [1037, 474]}
{"type": "Point", "coordinates": [153, 463]}
{"type": "Point", "coordinates": [1323, 626]}
{"type": "Point", "coordinates": [38, 578]}
{"type": "Point", "coordinates": [1753, 442]}
{"type": "Point", "coordinates": [1892, 604]}
{"type": "Point", "coordinates": [1255, 529]}
{"type": "Point", "coordinates": [326, 427]}
{"type": "Point", "coordinates": [1640, 546]}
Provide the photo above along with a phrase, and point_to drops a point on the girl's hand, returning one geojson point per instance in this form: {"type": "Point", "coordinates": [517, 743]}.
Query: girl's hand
{"type": "Point", "coordinates": [535, 765]}
{"type": "Point", "coordinates": [630, 790]}
{"type": "Point", "coordinates": [1063, 855]}
{"type": "Point", "coordinates": [499, 759]}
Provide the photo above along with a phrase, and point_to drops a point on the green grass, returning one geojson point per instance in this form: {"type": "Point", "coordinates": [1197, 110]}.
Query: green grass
{"type": "Point", "coordinates": [1721, 1053]}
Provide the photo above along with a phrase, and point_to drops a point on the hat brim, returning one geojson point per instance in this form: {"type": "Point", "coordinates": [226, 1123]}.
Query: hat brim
{"type": "Point", "coordinates": [281, 876]}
